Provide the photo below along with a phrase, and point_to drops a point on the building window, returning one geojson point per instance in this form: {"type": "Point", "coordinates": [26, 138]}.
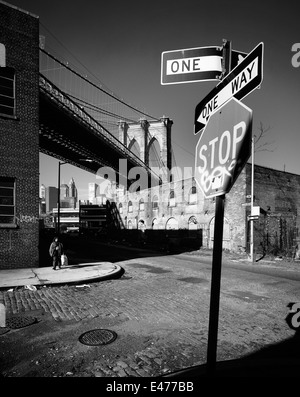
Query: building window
{"type": "Point", "coordinates": [172, 202]}
{"type": "Point", "coordinates": [141, 225]}
{"type": "Point", "coordinates": [120, 208]}
{"type": "Point", "coordinates": [193, 223]}
{"type": "Point", "coordinates": [130, 209]}
{"type": "Point", "coordinates": [7, 201]}
{"type": "Point", "coordinates": [193, 195]}
{"type": "Point", "coordinates": [2, 56]}
{"type": "Point", "coordinates": [141, 205]}
{"type": "Point", "coordinates": [155, 224]}
{"type": "Point", "coordinates": [155, 202]}
{"type": "Point", "coordinates": [172, 224]}
{"type": "Point", "coordinates": [7, 91]}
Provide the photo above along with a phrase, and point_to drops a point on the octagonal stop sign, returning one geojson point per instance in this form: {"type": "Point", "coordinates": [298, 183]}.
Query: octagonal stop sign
{"type": "Point", "coordinates": [223, 148]}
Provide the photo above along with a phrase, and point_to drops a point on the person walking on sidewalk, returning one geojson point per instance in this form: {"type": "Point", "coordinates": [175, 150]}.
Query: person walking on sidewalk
{"type": "Point", "coordinates": [56, 250]}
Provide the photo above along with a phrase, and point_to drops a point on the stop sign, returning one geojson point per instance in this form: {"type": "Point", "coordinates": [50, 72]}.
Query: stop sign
{"type": "Point", "coordinates": [223, 148]}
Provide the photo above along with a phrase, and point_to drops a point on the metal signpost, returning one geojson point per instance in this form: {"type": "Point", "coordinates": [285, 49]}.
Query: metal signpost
{"type": "Point", "coordinates": [221, 153]}
{"type": "Point", "coordinates": [238, 83]}
{"type": "Point", "coordinates": [225, 144]}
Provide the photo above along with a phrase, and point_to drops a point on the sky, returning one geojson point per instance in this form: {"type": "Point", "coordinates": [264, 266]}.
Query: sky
{"type": "Point", "coordinates": [121, 43]}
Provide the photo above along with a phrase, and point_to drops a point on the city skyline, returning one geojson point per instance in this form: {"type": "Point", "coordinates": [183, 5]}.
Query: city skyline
{"type": "Point", "coordinates": [124, 52]}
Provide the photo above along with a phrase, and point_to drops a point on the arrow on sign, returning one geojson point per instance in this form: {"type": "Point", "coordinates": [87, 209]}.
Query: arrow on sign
{"type": "Point", "coordinates": [242, 80]}
{"type": "Point", "coordinates": [237, 57]}
{"type": "Point", "coordinates": [191, 65]}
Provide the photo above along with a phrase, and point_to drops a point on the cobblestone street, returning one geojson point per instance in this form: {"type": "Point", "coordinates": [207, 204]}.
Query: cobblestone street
{"type": "Point", "coordinates": [159, 309]}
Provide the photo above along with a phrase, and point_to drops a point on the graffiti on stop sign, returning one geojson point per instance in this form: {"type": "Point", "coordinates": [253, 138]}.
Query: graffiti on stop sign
{"type": "Point", "coordinates": [223, 148]}
{"type": "Point", "coordinates": [220, 151]}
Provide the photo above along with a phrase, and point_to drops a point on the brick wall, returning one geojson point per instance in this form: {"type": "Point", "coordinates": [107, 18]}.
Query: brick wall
{"type": "Point", "coordinates": [19, 137]}
{"type": "Point", "coordinates": [277, 193]}
{"type": "Point", "coordinates": [188, 211]}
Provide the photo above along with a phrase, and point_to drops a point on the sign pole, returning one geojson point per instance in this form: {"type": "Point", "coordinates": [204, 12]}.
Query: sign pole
{"type": "Point", "coordinates": [215, 286]}
{"type": "Point", "coordinates": [217, 257]}
{"type": "Point", "coordinates": [252, 200]}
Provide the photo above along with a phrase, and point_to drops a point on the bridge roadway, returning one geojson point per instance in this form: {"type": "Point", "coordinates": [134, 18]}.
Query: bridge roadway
{"type": "Point", "coordinates": [70, 134]}
{"type": "Point", "coordinates": [159, 309]}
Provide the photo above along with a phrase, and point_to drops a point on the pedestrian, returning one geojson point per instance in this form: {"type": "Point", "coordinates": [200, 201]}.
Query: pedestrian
{"type": "Point", "coordinates": [56, 250]}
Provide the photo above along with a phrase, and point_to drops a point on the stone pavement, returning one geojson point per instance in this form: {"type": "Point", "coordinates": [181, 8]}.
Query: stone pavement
{"type": "Point", "coordinates": [159, 309]}
{"type": "Point", "coordinates": [80, 273]}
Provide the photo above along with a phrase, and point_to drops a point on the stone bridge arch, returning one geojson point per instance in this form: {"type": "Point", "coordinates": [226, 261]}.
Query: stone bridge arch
{"type": "Point", "coordinates": [145, 134]}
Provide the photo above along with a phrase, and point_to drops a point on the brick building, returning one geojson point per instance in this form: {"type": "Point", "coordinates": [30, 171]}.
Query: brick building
{"type": "Point", "coordinates": [180, 205]}
{"type": "Point", "coordinates": [19, 138]}
{"type": "Point", "coordinates": [176, 205]}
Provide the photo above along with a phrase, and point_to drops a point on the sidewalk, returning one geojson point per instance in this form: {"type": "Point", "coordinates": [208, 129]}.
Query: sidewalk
{"type": "Point", "coordinates": [80, 273]}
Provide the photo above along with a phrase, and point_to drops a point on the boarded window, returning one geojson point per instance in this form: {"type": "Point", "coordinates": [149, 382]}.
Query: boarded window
{"type": "Point", "coordinates": [141, 205]}
{"type": "Point", "coordinates": [155, 202]}
{"type": "Point", "coordinates": [193, 195]}
{"type": "Point", "coordinates": [172, 201]}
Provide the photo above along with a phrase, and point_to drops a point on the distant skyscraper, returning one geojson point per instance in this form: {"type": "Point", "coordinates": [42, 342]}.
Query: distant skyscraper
{"type": "Point", "coordinates": [64, 191]}
{"type": "Point", "coordinates": [68, 195]}
{"type": "Point", "coordinates": [42, 200]}
{"type": "Point", "coordinates": [51, 198]}
{"type": "Point", "coordinates": [92, 192]}
{"type": "Point", "coordinates": [43, 192]}
{"type": "Point", "coordinates": [72, 189]}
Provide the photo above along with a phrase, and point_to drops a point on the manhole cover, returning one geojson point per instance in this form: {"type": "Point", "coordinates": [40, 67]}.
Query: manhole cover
{"type": "Point", "coordinates": [19, 322]}
{"type": "Point", "coordinates": [97, 337]}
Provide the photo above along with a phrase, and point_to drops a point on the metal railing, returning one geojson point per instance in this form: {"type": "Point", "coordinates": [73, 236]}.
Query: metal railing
{"type": "Point", "coordinates": [64, 100]}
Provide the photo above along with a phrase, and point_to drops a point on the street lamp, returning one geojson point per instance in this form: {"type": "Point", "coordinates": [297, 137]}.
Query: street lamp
{"type": "Point", "coordinates": [58, 197]}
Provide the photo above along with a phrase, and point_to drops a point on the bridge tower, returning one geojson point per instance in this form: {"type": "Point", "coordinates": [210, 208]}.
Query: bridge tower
{"type": "Point", "coordinates": [143, 136]}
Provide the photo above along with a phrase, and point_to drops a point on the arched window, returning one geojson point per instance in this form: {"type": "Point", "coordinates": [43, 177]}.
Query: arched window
{"type": "Point", "coordinates": [120, 208]}
{"type": "Point", "coordinates": [193, 223]}
{"type": "Point", "coordinates": [154, 155]}
{"type": "Point", "coordinates": [193, 195]}
{"type": "Point", "coordinates": [134, 147]}
{"type": "Point", "coordinates": [141, 225]}
{"type": "Point", "coordinates": [226, 229]}
{"type": "Point", "coordinates": [129, 225]}
{"type": "Point", "coordinates": [172, 202]}
{"type": "Point", "coordinates": [141, 205]}
{"type": "Point", "coordinates": [155, 224]}
{"type": "Point", "coordinates": [130, 208]}
{"type": "Point", "coordinates": [172, 224]}
{"type": "Point", "coordinates": [155, 202]}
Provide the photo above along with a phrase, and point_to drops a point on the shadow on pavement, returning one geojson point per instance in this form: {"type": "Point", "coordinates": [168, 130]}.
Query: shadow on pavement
{"type": "Point", "coordinates": [81, 249]}
{"type": "Point", "coordinates": [276, 360]}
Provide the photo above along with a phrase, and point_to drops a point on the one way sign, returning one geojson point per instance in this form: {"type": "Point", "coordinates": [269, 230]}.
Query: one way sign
{"type": "Point", "coordinates": [242, 80]}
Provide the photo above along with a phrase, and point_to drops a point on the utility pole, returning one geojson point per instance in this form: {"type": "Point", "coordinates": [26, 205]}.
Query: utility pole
{"type": "Point", "coordinates": [58, 198]}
